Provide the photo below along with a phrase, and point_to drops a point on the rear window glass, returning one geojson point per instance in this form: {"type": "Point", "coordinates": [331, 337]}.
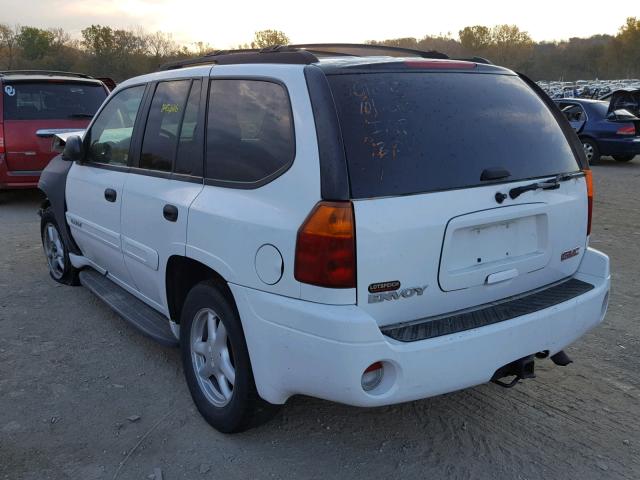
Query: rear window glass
{"type": "Point", "coordinates": [48, 100]}
{"type": "Point", "coordinates": [421, 132]}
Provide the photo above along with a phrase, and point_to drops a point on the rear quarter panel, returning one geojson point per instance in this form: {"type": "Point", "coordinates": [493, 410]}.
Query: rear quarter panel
{"type": "Point", "coordinates": [227, 226]}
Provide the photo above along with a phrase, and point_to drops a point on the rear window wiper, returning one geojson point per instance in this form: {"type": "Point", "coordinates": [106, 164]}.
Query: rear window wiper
{"type": "Point", "coordinates": [80, 115]}
{"type": "Point", "coordinates": [551, 184]}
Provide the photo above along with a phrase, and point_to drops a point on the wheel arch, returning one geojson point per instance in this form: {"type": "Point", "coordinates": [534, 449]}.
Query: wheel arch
{"type": "Point", "coordinates": [53, 183]}
{"type": "Point", "coordinates": [182, 274]}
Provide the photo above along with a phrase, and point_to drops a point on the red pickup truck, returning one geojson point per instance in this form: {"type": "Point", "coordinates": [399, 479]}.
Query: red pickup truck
{"type": "Point", "coordinates": [34, 106]}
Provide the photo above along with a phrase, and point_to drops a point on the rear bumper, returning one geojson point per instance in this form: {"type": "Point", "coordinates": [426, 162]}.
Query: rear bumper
{"type": "Point", "coordinates": [299, 347]}
{"type": "Point", "coordinates": [622, 146]}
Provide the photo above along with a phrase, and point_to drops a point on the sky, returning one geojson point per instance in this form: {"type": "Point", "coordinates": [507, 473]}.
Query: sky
{"type": "Point", "coordinates": [229, 23]}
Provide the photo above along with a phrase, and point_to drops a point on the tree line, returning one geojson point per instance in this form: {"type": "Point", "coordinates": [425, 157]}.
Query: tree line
{"type": "Point", "coordinates": [104, 51]}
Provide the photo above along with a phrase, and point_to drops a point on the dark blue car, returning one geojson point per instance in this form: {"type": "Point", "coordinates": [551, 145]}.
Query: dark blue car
{"type": "Point", "coordinates": [603, 128]}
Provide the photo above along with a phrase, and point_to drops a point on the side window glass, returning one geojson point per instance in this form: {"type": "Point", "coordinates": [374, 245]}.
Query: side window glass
{"type": "Point", "coordinates": [161, 132]}
{"type": "Point", "coordinates": [189, 158]}
{"type": "Point", "coordinates": [249, 130]}
{"type": "Point", "coordinates": [110, 135]}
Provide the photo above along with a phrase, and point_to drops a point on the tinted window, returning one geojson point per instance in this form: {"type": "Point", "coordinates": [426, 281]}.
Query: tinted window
{"type": "Point", "coordinates": [46, 100]}
{"type": "Point", "coordinates": [110, 135]}
{"type": "Point", "coordinates": [190, 144]}
{"type": "Point", "coordinates": [249, 130]}
{"type": "Point", "coordinates": [160, 140]}
{"type": "Point", "coordinates": [419, 132]}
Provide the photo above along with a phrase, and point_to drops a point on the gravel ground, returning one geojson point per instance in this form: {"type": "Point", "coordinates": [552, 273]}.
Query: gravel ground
{"type": "Point", "coordinates": [84, 396]}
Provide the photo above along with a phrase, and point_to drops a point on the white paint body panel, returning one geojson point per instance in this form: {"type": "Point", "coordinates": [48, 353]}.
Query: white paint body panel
{"type": "Point", "coordinates": [148, 239]}
{"type": "Point", "coordinates": [95, 222]}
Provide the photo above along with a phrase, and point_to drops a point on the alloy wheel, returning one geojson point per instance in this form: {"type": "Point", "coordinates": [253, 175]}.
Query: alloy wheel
{"type": "Point", "coordinates": [54, 250]}
{"type": "Point", "coordinates": [212, 357]}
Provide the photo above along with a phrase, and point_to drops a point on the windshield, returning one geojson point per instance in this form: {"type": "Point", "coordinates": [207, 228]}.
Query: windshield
{"type": "Point", "coordinates": [48, 100]}
{"type": "Point", "coordinates": [419, 132]}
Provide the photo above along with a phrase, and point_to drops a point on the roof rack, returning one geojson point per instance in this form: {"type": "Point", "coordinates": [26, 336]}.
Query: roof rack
{"type": "Point", "coordinates": [366, 50]}
{"type": "Point", "coordinates": [275, 54]}
{"type": "Point", "coordinates": [302, 54]}
{"type": "Point", "coordinates": [50, 73]}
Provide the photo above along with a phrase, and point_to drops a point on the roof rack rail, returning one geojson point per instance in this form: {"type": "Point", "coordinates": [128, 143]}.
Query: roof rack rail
{"type": "Point", "coordinates": [303, 54]}
{"type": "Point", "coordinates": [275, 54]}
{"type": "Point", "coordinates": [366, 50]}
{"type": "Point", "coordinates": [51, 73]}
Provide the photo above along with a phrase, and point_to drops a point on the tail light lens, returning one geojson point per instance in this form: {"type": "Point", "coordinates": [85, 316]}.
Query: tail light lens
{"type": "Point", "coordinates": [589, 178]}
{"type": "Point", "coordinates": [629, 130]}
{"type": "Point", "coordinates": [326, 247]}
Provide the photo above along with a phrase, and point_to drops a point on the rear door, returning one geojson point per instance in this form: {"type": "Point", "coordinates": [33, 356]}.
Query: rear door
{"type": "Point", "coordinates": [431, 236]}
{"type": "Point", "coordinates": [162, 185]}
{"type": "Point", "coordinates": [35, 110]}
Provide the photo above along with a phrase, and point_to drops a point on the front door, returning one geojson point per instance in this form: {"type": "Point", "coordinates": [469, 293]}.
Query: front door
{"type": "Point", "coordinates": [95, 187]}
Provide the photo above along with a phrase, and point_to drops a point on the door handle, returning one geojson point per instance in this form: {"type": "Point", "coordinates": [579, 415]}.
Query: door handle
{"type": "Point", "coordinates": [170, 212]}
{"type": "Point", "coordinates": [110, 195]}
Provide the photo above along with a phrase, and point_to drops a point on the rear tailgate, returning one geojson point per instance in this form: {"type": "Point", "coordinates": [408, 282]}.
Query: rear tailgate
{"type": "Point", "coordinates": [431, 237]}
{"type": "Point", "coordinates": [450, 253]}
{"type": "Point", "coordinates": [35, 110]}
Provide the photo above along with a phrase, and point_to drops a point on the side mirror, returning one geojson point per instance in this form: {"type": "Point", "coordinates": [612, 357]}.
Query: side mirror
{"type": "Point", "coordinates": [73, 149]}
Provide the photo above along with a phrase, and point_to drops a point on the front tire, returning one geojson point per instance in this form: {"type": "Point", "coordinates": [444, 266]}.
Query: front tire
{"type": "Point", "coordinates": [56, 251]}
{"type": "Point", "coordinates": [591, 150]}
{"type": "Point", "coordinates": [623, 158]}
{"type": "Point", "coordinates": [216, 362]}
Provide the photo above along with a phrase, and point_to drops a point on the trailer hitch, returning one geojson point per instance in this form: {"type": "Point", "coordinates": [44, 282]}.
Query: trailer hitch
{"type": "Point", "coordinates": [519, 369]}
{"type": "Point", "coordinates": [524, 368]}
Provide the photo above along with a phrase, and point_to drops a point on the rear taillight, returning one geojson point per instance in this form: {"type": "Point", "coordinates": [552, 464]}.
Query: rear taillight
{"type": "Point", "coordinates": [589, 179]}
{"type": "Point", "coordinates": [629, 130]}
{"type": "Point", "coordinates": [326, 247]}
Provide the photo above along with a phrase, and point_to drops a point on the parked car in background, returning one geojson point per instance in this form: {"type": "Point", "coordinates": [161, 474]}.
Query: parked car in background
{"type": "Point", "coordinates": [34, 106]}
{"type": "Point", "coordinates": [603, 129]}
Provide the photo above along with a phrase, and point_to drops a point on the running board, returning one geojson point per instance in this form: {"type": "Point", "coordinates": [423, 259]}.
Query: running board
{"type": "Point", "coordinates": [144, 318]}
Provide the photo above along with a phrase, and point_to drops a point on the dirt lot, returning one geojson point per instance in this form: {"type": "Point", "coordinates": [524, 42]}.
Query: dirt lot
{"type": "Point", "coordinates": [74, 377]}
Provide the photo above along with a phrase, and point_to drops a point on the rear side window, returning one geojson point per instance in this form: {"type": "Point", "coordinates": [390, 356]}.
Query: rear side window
{"type": "Point", "coordinates": [48, 100]}
{"type": "Point", "coordinates": [162, 130]}
{"type": "Point", "coordinates": [420, 132]}
{"type": "Point", "coordinates": [250, 135]}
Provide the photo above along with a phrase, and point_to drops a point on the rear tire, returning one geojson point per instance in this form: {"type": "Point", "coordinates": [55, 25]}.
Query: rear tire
{"type": "Point", "coordinates": [216, 362]}
{"type": "Point", "coordinates": [56, 251]}
{"type": "Point", "coordinates": [623, 158]}
{"type": "Point", "coordinates": [591, 150]}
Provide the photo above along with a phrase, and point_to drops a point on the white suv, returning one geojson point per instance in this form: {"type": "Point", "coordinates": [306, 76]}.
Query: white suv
{"type": "Point", "coordinates": [362, 224]}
